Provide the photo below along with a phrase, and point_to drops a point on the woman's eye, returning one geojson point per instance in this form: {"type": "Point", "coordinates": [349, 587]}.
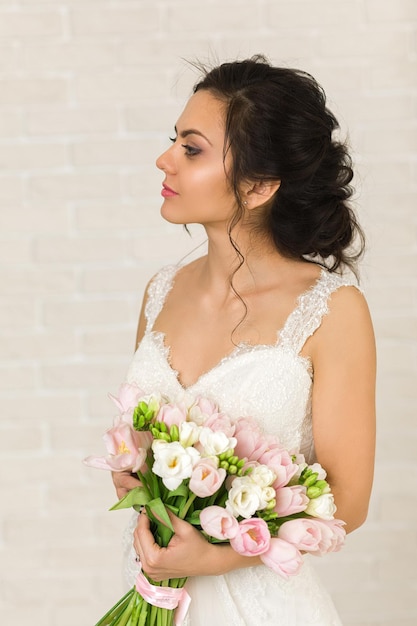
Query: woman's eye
{"type": "Point", "coordinates": [190, 150]}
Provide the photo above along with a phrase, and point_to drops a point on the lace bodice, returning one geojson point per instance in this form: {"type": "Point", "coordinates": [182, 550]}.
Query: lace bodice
{"type": "Point", "coordinates": [273, 384]}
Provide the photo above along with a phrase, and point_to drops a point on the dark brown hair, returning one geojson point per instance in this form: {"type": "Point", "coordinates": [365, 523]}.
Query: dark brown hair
{"type": "Point", "coordinates": [279, 128]}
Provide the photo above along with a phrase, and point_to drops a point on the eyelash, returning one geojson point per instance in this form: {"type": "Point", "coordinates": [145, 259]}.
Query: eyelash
{"type": "Point", "coordinates": [190, 151]}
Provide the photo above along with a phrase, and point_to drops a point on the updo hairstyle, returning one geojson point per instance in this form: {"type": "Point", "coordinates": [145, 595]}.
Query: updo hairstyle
{"type": "Point", "coordinates": [279, 128]}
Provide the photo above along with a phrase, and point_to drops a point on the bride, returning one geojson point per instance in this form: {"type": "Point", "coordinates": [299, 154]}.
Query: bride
{"type": "Point", "coordinates": [265, 323]}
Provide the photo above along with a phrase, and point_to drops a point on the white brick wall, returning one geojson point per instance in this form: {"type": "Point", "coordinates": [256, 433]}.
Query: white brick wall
{"type": "Point", "coordinates": [89, 92]}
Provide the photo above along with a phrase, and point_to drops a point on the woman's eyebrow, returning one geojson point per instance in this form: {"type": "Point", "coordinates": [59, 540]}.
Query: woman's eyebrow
{"type": "Point", "coordinates": [192, 131]}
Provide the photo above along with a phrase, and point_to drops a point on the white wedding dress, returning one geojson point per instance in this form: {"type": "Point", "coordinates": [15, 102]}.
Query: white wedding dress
{"type": "Point", "coordinates": [271, 383]}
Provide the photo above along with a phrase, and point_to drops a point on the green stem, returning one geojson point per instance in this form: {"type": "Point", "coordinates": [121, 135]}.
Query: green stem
{"type": "Point", "coordinates": [187, 505]}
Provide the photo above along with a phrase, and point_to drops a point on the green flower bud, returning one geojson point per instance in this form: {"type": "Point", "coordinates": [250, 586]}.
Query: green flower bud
{"type": "Point", "coordinates": [164, 437]}
{"type": "Point", "coordinates": [313, 492]}
{"type": "Point", "coordinates": [232, 470]}
{"type": "Point", "coordinates": [311, 480]}
{"type": "Point", "coordinates": [323, 485]}
{"type": "Point", "coordinates": [224, 465]}
{"type": "Point", "coordinates": [270, 504]}
{"type": "Point", "coordinates": [233, 460]}
{"type": "Point", "coordinates": [163, 427]}
{"type": "Point", "coordinates": [174, 433]}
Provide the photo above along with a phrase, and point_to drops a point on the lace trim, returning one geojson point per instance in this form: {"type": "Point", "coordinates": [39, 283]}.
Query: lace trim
{"type": "Point", "coordinates": [159, 288]}
{"type": "Point", "coordinates": [312, 306]}
{"type": "Point", "coordinates": [305, 319]}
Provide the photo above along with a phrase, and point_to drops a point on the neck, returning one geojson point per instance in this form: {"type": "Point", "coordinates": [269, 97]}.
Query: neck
{"type": "Point", "coordinates": [224, 259]}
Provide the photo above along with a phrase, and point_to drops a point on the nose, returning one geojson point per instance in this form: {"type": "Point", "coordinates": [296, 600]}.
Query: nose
{"type": "Point", "coordinates": [165, 161]}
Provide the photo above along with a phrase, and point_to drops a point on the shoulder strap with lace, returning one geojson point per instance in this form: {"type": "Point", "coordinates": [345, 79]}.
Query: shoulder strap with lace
{"type": "Point", "coordinates": [158, 289]}
{"type": "Point", "coordinates": [312, 306]}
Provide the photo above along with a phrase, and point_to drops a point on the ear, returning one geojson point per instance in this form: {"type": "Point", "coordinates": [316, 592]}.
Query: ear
{"type": "Point", "coordinates": [260, 193]}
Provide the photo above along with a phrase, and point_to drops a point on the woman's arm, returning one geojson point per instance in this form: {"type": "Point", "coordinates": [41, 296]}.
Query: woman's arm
{"type": "Point", "coordinates": [343, 404]}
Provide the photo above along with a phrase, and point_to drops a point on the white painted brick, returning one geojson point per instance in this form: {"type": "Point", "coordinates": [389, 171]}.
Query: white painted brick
{"type": "Point", "coordinates": [10, 123]}
{"type": "Point", "coordinates": [37, 281]}
{"type": "Point", "coordinates": [24, 91]}
{"type": "Point", "coordinates": [26, 220]}
{"type": "Point", "coordinates": [124, 152]}
{"type": "Point", "coordinates": [71, 121]}
{"type": "Point", "coordinates": [19, 311]}
{"type": "Point", "coordinates": [143, 118]}
{"type": "Point", "coordinates": [85, 313]}
{"type": "Point", "coordinates": [74, 55]}
{"type": "Point", "coordinates": [11, 194]}
{"type": "Point", "coordinates": [119, 343]}
{"type": "Point", "coordinates": [15, 250]}
{"type": "Point", "coordinates": [72, 187]}
{"type": "Point", "coordinates": [9, 58]}
{"type": "Point", "coordinates": [124, 86]}
{"type": "Point", "coordinates": [122, 279]}
{"type": "Point", "coordinates": [122, 20]}
{"type": "Point", "coordinates": [80, 375]}
{"type": "Point", "coordinates": [79, 249]}
{"type": "Point", "coordinates": [30, 345]}
{"type": "Point", "coordinates": [52, 407]}
{"type": "Point", "coordinates": [101, 216]}
{"type": "Point", "coordinates": [303, 14]}
{"type": "Point", "coordinates": [33, 156]}
{"type": "Point", "coordinates": [26, 439]}
{"type": "Point", "coordinates": [404, 11]}
{"type": "Point", "coordinates": [17, 378]}
{"type": "Point", "coordinates": [30, 25]}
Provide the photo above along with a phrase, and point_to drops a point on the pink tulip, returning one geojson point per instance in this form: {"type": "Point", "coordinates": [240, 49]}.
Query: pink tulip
{"type": "Point", "coordinates": [207, 478]}
{"type": "Point", "coordinates": [283, 558]}
{"type": "Point", "coordinates": [127, 448]}
{"type": "Point", "coordinates": [218, 523]}
{"type": "Point", "coordinates": [127, 398]}
{"type": "Point", "coordinates": [280, 462]}
{"type": "Point", "coordinates": [220, 421]}
{"type": "Point", "coordinates": [313, 535]}
{"type": "Point", "coordinates": [251, 443]}
{"type": "Point", "coordinates": [172, 414]}
{"type": "Point", "coordinates": [253, 537]}
{"type": "Point", "coordinates": [290, 500]}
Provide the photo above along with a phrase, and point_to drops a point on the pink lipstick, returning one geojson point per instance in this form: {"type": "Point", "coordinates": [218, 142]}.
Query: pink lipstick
{"type": "Point", "coordinates": [167, 192]}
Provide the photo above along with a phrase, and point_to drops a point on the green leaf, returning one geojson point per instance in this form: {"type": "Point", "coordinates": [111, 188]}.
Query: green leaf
{"type": "Point", "coordinates": [182, 490]}
{"type": "Point", "coordinates": [138, 496]}
{"type": "Point", "coordinates": [159, 515]}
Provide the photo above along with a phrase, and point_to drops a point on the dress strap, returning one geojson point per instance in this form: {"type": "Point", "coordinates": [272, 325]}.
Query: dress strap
{"type": "Point", "coordinates": [159, 287]}
{"type": "Point", "coordinates": [311, 307]}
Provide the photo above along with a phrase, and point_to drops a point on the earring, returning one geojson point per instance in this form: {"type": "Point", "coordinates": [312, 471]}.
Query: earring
{"type": "Point", "coordinates": [245, 203]}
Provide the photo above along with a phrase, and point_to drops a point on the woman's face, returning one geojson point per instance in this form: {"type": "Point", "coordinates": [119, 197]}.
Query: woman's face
{"type": "Point", "coordinates": [195, 188]}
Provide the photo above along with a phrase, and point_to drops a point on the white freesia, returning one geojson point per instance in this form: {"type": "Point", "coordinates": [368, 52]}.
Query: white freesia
{"type": "Point", "coordinates": [216, 442]}
{"type": "Point", "coordinates": [245, 497]}
{"type": "Point", "coordinates": [189, 433]}
{"type": "Point", "coordinates": [173, 462]}
{"type": "Point", "coordinates": [263, 476]}
{"type": "Point", "coordinates": [323, 506]}
{"type": "Point", "coordinates": [316, 467]}
{"type": "Point", "coordinates": [268, 495]}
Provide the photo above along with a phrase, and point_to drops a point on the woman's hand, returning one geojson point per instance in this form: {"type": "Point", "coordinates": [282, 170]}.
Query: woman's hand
{"type": "Point", "coordinates": [124, 482]}
{"type": "Point", "coordinates": [188, 553]}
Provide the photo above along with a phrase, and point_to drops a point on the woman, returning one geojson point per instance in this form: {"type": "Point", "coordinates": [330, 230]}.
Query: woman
{"type": "Point", "coordinates": [258, 324]}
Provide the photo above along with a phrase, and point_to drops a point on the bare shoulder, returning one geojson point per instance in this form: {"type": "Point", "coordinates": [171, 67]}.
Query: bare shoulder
{"type": "Point", "coordinates": [347, 328]}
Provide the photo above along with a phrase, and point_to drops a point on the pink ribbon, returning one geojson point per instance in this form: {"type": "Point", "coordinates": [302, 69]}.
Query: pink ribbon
{"type": "Point", "coordinates": [164, 597]}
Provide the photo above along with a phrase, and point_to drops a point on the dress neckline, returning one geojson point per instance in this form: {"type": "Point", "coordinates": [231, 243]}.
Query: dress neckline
{"type": "Point", "coordinates": [241, 347]}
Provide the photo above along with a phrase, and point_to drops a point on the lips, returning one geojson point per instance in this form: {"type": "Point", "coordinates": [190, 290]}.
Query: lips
{"type": "Point", "coordinates": [167, 192]}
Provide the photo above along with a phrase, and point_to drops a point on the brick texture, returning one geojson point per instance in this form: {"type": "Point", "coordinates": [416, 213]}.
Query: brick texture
{"type": "Point", "coordinates": [89, 93]}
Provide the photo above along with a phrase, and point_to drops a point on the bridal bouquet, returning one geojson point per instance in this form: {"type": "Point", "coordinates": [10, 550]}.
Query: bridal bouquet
{"type": "Point", "coordinates": [227, 478]}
